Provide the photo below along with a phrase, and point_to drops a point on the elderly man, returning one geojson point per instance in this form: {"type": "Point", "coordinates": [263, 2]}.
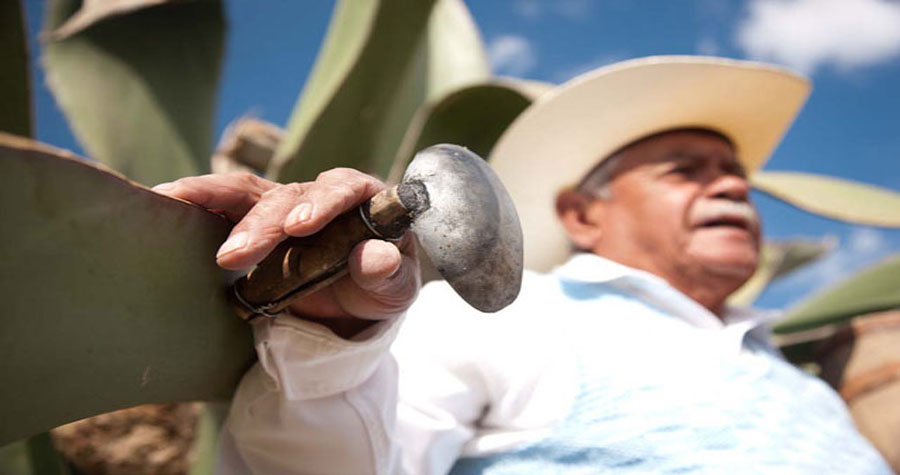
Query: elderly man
{"type": "Point", "coordinates": [624, 359]}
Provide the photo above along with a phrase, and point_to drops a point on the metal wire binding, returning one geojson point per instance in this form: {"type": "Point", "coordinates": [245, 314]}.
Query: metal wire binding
{"type": "Point", "coordinates": [368, 223]}
{"type": "Point", "coordinates": [261, 310]}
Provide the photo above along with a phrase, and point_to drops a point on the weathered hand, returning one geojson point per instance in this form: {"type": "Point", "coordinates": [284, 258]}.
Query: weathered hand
{"type": "Point", "coordinates": [383, 278]}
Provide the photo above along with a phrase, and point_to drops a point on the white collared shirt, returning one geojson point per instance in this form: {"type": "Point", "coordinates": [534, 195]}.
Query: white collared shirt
{"type": "Point", "coordinates": [506, 379]}
{"type": "Point", "coordinates": [470, 384]}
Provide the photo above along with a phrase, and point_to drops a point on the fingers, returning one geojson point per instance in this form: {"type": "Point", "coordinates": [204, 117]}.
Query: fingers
{"type": "Point", "coordinates": [383, 282]}
{"type": "Point", "coordinates": [238, 196]}
{"type": "Point", "coordinates": [384, 277]}
{"type": "Point", "coordinates": [267, 212]}
{"type": "Point", "coordinates": [261, 229]}
{"type": "Point", "coordinates": [372, 264]}
{"type": "Point", "coordinates": [333, 192]}
{"type": "Point", "coordinates": [234, 194]}
{"type": "Point", "coordinates": [298, 209]}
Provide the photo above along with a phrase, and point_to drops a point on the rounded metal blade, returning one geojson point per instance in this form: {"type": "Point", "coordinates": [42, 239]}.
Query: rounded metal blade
{"type": "Point", "coordinates": [470, 231]}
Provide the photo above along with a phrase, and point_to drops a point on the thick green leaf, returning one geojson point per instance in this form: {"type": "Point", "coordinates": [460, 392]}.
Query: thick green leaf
{"type": "Point", "coordinates": [874, 289]}
{"type": "Point", "coordinates": [474, 115]}
{"type": "Point", "coordinates": [93, 11]}
{"type": "Point", "coordinates": [832, 197]}
{"type": "Point", "coordinates": [45, 460]}
{"type": "Point", "coordinates": [378, 64]}
{"type": "Point", "coordinates": [32, 456]}
{"type": "Point", "coordinates": [139, 88]}
{"type": "Point", "coordinates": [206, 439]}
{"type": "Point", "coordinates": [15, 89]}
{"type": "Point", "coordinates": [776, 260]}
{"type": "Point", "coordinates": [454, 50]}
{"type": "Point", "coordinates": [111, 295]}
{"type": "Point", "coordinates": [14, 459]}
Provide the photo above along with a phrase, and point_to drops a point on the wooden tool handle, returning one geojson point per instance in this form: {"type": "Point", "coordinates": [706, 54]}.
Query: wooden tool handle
{"type": "Point", "coordinates": [301, 265]}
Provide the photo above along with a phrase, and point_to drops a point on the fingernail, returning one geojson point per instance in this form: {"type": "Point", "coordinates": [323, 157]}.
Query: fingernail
{"type": "Point", "coordinates": [238, 241]}
{"type": "Point", "coordinates": [164, 187]}
{"type": "Point", "coordinates": [300, 214]}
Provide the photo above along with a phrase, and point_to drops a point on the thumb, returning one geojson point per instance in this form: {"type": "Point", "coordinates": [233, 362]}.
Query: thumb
{"type": "Point", "coordinates": [383, 281]}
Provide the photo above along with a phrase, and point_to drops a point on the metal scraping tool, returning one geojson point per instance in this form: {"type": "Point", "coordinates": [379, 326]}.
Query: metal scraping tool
{"type": "Point", "coordinates": [463, 217]}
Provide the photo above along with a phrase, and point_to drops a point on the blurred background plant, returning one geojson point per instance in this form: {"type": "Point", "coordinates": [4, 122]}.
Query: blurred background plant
{"type": "Point", "coordinates": [112, 297]}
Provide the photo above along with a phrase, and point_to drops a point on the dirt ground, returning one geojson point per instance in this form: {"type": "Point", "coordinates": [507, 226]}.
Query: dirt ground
{"type": "Point", "coordinates": [152, 439]}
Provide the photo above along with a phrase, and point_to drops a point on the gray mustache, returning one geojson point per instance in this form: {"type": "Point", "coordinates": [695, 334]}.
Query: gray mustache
{"type": "Point", "coordinates": [714, 210]}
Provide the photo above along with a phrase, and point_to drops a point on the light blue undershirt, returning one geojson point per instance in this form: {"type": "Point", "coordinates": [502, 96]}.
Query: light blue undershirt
{"type": "Point", "coordinates": [662, 391]}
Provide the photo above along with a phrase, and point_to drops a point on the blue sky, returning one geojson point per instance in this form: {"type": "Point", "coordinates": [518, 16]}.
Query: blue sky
{"type": "Point", "coordinates": [850, 49]}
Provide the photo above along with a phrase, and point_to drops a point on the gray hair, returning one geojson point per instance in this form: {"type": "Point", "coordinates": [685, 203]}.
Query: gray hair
{"type": "Point", "coordinates": [596, 182]}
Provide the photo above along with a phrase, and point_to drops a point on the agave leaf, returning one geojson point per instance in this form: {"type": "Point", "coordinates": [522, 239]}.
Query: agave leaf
{"type": "Point", "coordinates": [111, 295]}
{"type": "Point", "coordinates": [45, 460]}
{"type": "Point", "coordinates": [206, 441]}
{"type": "Point", "coordinates": [93, 11]}
{"type": "Point", "coordinates": [14, 459]}
{"type": "Point", "coordinates": [870, 290]}
{"type": "Point", "coordinates": [138, 88]}
{"type": "Point", "coordinates": [32, 456]}
{"type": "Point", "coordinates": [454, 50]}
{"type": "Point", "coordinates": [776, 260]}
{"type": "Point", "coordinates": [474, 115]}
{"type": "Point", "coordinates": [378, 63]}
{"type": "Point", "coordinates": [15, 88]}
{"type": "Point", "coordinates": [832, 197]}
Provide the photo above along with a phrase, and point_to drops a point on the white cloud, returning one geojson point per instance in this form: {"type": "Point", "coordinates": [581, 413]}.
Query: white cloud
{"type": "Point", "coordinates": [808, 34]}
{"type": "Point", "coordinates": [573, 9]}
{"type": "Point", "coordinates": [511, 55]}
{"type": "Point", "coordinates": [707, 46]}
{"type": "Point", "coordinates": [527, 8]}
{"type": "Point", "coordinates": [864, 247]}
{"type": "Point", "coordinates": [713, 9]}
{"type": "Point", "coordinates": [570, 9]}
{"type": "Point", "coordinates": [568, 72]}
{"type": "Point", "coordinates": [867, 241]}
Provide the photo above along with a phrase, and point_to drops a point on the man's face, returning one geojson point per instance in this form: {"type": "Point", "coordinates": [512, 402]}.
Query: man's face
{"type": "Point", "coordinates": [679, 208]}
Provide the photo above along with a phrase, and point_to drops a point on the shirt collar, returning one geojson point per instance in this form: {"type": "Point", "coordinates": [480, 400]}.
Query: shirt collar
{"type": "Point", "coordinates": [591, 268]}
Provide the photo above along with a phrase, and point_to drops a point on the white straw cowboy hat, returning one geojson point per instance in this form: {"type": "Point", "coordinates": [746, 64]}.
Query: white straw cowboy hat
{"type": "Point", "coordinates": [565, 133]}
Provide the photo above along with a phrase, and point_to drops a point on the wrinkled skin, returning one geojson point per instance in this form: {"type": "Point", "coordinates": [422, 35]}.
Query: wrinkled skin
{"type": "Point", "coordinates": [678, 207]}
{"type": "Point", "coordinates": [383, 278]}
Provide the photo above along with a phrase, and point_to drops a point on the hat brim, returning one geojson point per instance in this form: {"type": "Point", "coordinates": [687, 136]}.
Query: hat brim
{"type": "Point", "coordinates": [568, 131]}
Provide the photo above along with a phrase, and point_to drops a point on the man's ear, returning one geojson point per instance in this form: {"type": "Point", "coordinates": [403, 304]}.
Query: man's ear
{"type": "Point", "coordinates": [578, 214]}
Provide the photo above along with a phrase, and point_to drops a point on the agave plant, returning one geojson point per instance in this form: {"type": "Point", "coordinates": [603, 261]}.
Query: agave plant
{"type": "Point", "coordinates": [873, 289]}
{"type": "Point", "coordinates": [833, 198]}
{"type": "Point", "coordinates": [112, 296]}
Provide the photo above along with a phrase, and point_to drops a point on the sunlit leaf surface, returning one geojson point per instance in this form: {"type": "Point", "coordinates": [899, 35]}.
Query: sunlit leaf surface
{"type": "Point", "coordinates": [874, 289]}
{"type": "Point", "coordinates": [832, 197]}
{"type": "Point", "coordinates": [93, 11]}
{"type": "Point", "coordinates": [205, 450]}
{"type": "Point", "coordinates": [111, 295]}
{"type": "Point", "coordinates": [474, 116]}
{"type": "Point", "coordinates": [32, 456]}
{"type": "Point", "coordinates": [139, 87]}
{"type": "Point", "coordinates": [380, 61]}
